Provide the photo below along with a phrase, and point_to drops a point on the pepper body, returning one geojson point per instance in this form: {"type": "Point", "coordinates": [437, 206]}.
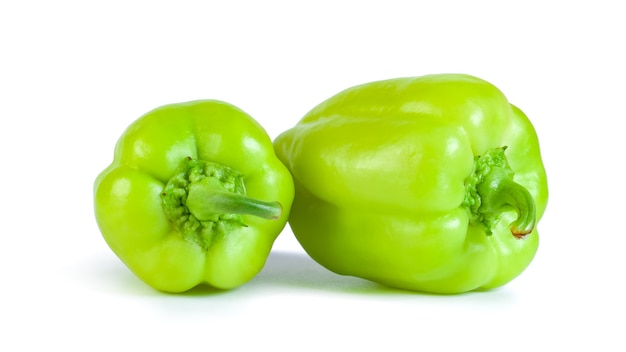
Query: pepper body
{"type": "Point", "coordinates": [170, 203]}
{"type": "Point", "coordinates": [396, 183]}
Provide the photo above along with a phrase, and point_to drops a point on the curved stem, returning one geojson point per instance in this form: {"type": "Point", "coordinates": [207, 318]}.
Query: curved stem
{"type": "Point", "coordinates": [206, 201]}
{"type": "Point", "coordinates": [498, 191]}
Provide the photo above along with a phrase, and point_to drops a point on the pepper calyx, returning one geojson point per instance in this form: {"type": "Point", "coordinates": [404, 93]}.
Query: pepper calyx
{"type": "Point", "coordinates": [206, 200]}
{"type": "Point", "coordinates": [490, 191]}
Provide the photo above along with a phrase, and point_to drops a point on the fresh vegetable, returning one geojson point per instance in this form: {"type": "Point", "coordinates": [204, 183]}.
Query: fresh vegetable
{"type": "Point", "coordinates": [195, 194]}
{"type": "Point", "coordinates": [430, 183]}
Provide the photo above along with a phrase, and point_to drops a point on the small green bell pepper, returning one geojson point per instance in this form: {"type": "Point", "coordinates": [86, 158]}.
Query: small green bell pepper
{"type": "Point", "coordinates": [195, 194]}
{"type": "Point", "coordinates": [430, 183]}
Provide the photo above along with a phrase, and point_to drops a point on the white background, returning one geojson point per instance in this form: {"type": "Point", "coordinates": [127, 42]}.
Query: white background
{"type": "Point", "coordinates": [73, 75]}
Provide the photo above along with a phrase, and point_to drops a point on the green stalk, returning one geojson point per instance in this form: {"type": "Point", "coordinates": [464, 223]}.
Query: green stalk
{"type": "Point", "coordinates": [498, 191]}
{"type": "Point", "coordinates": [205, 201]}
{"type": "Point", "coordinates": [490, 191]}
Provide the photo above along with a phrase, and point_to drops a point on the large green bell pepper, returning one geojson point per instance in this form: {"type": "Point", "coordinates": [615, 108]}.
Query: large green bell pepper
{"type": "Point", "coordinates": [195, 194]}
{"type": "Point", "coordinates": [432, 183]}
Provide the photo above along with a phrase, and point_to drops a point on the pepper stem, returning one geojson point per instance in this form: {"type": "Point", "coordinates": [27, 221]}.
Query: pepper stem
{"type": "Point", "coordinates": [490, 191]}
{"type": "Point", "coordinates": [207, 200]}
{"type": "Point", "coordinates": [499, 191]}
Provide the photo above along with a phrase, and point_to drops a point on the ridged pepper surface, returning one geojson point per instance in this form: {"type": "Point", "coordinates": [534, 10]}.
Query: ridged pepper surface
{"type": "Point", "coordinates": [431, 183]}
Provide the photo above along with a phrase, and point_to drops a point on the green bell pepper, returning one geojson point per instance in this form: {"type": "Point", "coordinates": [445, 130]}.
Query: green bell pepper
{"type": "Point", "coordinates": [195, 194]}
{"type": "Point", "coordinates": [430, 183]}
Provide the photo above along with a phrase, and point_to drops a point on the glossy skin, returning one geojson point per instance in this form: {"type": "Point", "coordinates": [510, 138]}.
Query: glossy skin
{"type": "Point", "coordinates": [381, 172]}
{"type": "Point", "coordinates": [130, 212]}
